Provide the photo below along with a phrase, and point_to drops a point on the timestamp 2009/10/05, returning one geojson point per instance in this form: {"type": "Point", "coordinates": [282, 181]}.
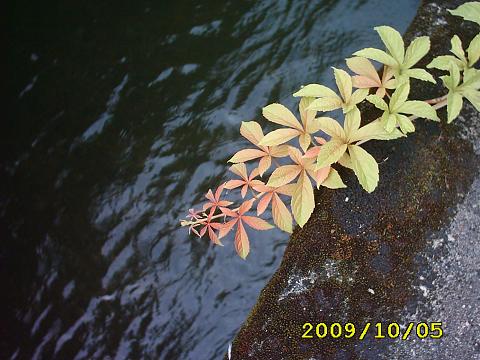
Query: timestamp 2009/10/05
{"type": "Point", "coordinates": [422, 330]}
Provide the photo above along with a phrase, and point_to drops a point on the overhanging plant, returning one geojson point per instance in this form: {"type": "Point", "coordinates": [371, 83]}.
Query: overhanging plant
{"type": "Point", "coordinates": [311, 158]}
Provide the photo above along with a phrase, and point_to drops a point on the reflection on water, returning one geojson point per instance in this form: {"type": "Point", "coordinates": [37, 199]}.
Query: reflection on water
{"type": "Point", "coordinates": [120, 116]}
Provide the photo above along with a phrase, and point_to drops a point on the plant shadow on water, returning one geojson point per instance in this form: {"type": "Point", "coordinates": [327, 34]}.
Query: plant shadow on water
{"type": "Point", "coordinates": [120, 117]}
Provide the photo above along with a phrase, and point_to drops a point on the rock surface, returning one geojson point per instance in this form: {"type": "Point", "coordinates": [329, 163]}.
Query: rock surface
{"type": "Point", "coordinates": [407, 252]}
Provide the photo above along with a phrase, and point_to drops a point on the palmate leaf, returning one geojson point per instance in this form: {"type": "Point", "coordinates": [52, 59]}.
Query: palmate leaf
{"type": "Point", "coordinates": [463, 62]}
{"type": "Point", "coordinates": [328, 100]}
{"type": "Point", "coordinates": [367, 76]}
{"type": "Point", "coordinates": [396, 57]}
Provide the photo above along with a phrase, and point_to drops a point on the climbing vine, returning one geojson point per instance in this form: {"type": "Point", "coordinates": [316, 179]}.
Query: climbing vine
{"type": "Point", "coordinates": [303, 141]}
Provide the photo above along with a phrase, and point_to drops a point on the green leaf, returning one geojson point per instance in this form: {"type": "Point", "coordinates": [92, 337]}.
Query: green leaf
{"type": "Point", "coordinates": [419, 108]}
{"type": "Point", "coordinates": [375, 131]}
{"type": "Point", "coordinates": [474, 97]}
{"type": "Point", "coordinates": [352, 122]}
{"type": "Point", "coordinates": [469, 11]}
{"type": "Point", "coordinates": [345, 161]}
{"type": "Point", "coordinates": [454, 105]}
{"type": "Point", "coordinates": [315, 90]}
{"type": "Point", "coordinates": [443, 62]}
{"type": "Point", "coordinates": [326, 104]}
{"type": "Point", "coordinates": [332, 128]}
{"type": "Point", "coordinates": [377, 55]}
{"type": "Point", "coordinates": [457, 48]}
{"type": "Point", "coordinates": [399, 96]}
{"type": "Point", "coordinates": [389, 121]}
{"type": "Point", "coordinates": [330, 152]}
{"type": "Point", "coordinates": [344, 83]}
{"type": "Point", "coordinates": [471, 79]}
{"type": "Point", "coordinates": [405, 123]}
{"type": "Point", "coordinates": [358, 96]}
{"type": "Point", "coordinates": [378, 102]}
{"type": "Point", "coordinates": [333, 181]}
{"type": "Point", "coordinates": [474, 50]}
{"type": "Point", "coordinates": [420, 74]}
{"type": "Point", "coordinates": [393, 41]}
{"type": "Point", "coordinates": [417, 49]}
{"type": "Point", "coordinates": [303, 201]}
{"type": "Point", "coordinates": [365, 167]}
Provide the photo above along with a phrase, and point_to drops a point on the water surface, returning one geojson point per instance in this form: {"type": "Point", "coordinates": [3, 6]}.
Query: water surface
{"type": "Point", "coordinates": [120, 116]}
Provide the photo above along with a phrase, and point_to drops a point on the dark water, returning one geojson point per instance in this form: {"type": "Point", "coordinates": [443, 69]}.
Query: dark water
{"type": "Point", "coordinates": [119, 116]}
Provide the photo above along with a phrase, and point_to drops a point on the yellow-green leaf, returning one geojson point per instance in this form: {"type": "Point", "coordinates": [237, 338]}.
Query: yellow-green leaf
{"type": "Point", "coordinates": [365, 167]}
{"type": "Point", "coordinates": [399, 96]}
{"type": "Point", "coordinates": [377, 55]}
{"type": "Point", "coordinates": [375, 131]}
{"type": "Point", "coordinates": [283, 175]}
{"type": "Point", "coordinates": [378, 102]}
{"type": "Point", "coordinates": [454, 105]}
{"type": "Point", "coordinates": [331, 127]}
{"type": "Point", "coordinates": [326, 104]}
{"type": "Point", "coordinates": [330, 152]}
{"type": "Point", "coordinates": [418, 108]}
{"type": "Point", "coordinates": [303, 201]}
{"type": "Point", "coordinates": [352, 122]}
{"type": "Point", "coordinates": [469, 11]}
{"type": "Point", "coordinates": [280, 136]}
{"type": "Point", "coordinates": [315, 90]}
{"type": "Point", "coordinates": [474, 50]}
{"type": "Point", "coordinates": [279, 114]}
{"type": "Point", "coordinates": [281, 215]}
{"type": "Point", "coordinates": [405, 123]}
{"type": "Point", "coordinates": [417, 49]}
{"type": "Point", "coordinates": [252, 131]}
{"type": "Point", "coordinates": [333, 181]}
{"type": "Point", "coordinates": [442, 62]}
{"type": "Point", "coordinates": [345, 161]}
{"type": "Point", "coordinates": [344, 83]}
{"type": "Point", "coordinates": [420, 74]}
{"type": "Point", "coordinates": [393, 41]}
{"type": "Point", "coordinates": [457, 48]}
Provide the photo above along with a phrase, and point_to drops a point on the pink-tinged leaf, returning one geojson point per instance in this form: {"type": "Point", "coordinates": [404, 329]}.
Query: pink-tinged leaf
{"type": "Point", "coordinates": [279, 151]}
{"type": "Point", "coordinates": [239, 169]}
{"type": "Point", "coordinates": [295, 155]}
{"type": "Point", "coordinates": [364, 67]}
{"type": "Point", "coordinates": [247, 155]}
{"type": "Point", "coordinates": [263, 203]}
{"type": "Point", "coordinates": [320, 175]}
{"type": "Point", "coordinates": [209, 195]}
{"type": "Point", "coordinates": [283, 175]}
{"type": "Point", "coordinates": [230, 213]}
{"type": "Point", "coordinates": [223, 229]}
{"type": "Point", "coordinates": [312, 152]}
{"type": "Point", "coordinates": [242, 245]}
{"type": "Point", "coordinates": [193, 214]}
{"type": "Point", "coordinates": [213, 237]}
{"type": "Point", "coordinates": [363, 82]}
{"type": "Point", "coordinates": [203, 231]}
{"type": "Point", "coordinates": [218, 193]}
{"type": "Point", "coordinates": [264, 164]}
{"type": "Point", "coordinates": [279, 114]}
{"type": "Point", "coordinates": [381, 92]}
{"type": "Point", "coordinates": [247, 205]}
{"type": "Point", "coordinates": [280, 136]}
{"type": "Point", "coordinates": [253, 174]}
{"type": "Point", "coordinates": [192, 229]}
{"type": "Point", "coordinates": [257, 223]}
{"type": "Point", "coordinates": [232, 184]}
{"type": "Point", "coordinates": [252, 131]}
{"type": "Point", "coordinates": [281, 215]}
{"type": "Point", "coordinates": [262, 188]}
{"type": "Point", "coordinates": [320, 140]}
{"type": "Point", "coordinates": [244, 190]}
